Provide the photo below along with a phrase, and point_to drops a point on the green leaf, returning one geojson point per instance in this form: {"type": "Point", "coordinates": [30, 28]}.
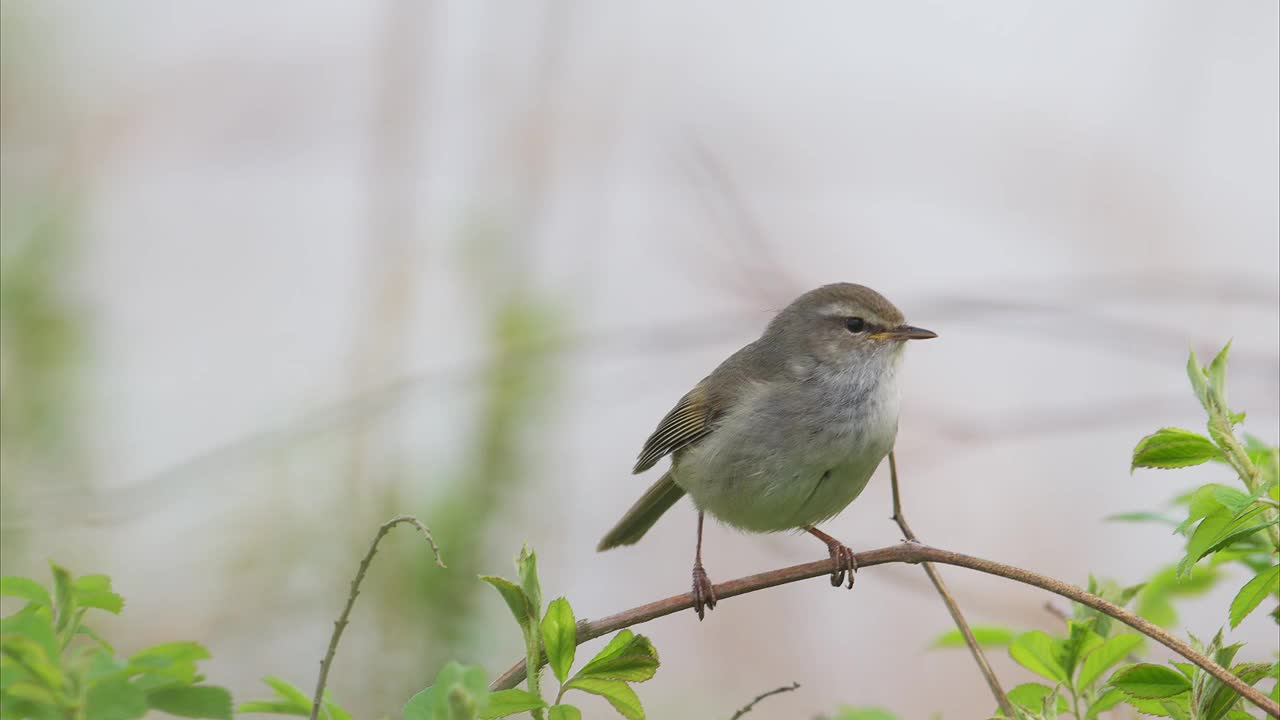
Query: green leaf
{"type": "Point", "coordinates": [1217, 371]}
{"type": "Point", "coordinates": [509, 702]}
{"type": "Point", "coordinates": [1220, 530]}
{"type": "Point", "coordinates": [64, 602]}
{"type": "Point", "coordinates": [333, 709]}
{"type": "Point", "coordinates": [1254, 592]}
{"type": "Point", "coordinates": [1231, 498]}
{"type": "Point", "coordinates": [1105, 656]}
{"type": "Point", "coordinates": [38, 664]}
{"type": "Point", "coordinates": [1038, 652]}
{"type": "Point", "coordinates": [1199, 383]}
{"type": "Point", "coordinates": [1142, 516]}
{"type": "Point", "coordinates": [461, 704]}
{"type": "Point", "coordinates": [95, 591]}
{"type": "Point", "coordinates": [1265, 457]}
{"type": "Point", "coordinates": [1201, 503]}
{"type": "Point", "coordinates": [1108, 700]}
{"type": "Point", "coordinates": [1173, 448]}
{"type": "Point", "coordinates": [33, 693]}
{"type": "Point", "coordinates": [170, 653]}
{"type": "Point", "coordinates": [15, 586]}
{"type": "Point", "coordinates": [94, 636]}
{"type": "Point", "coordinates": [272, 707]}
{"type": "Point", "coordinates": [115, 699]}
{"type": "Point", "coordinates": [1154, 602]}
{"type": "Point", "coordinates": [618, 693]}
{"type": "Point", "coordinates": [33, 626]}
{"type": "Point", "coordinates": [560, 637]}
{"type": "Point", "coordinates": [527, 567]}
{"type": "Point", "coordinates": [420, 706]}
{"type": "Point", "coordinates": [291, 700]}
{"type": "Point", "coordinates": [171, 663]}
{"type": "Point", "coordinates": [1035, 697]}
{"type": "Point", "coordinates": [1177, 707]}
{"type": "Point", "coordinates": [1217, 699]}
{"type": "Point", "coordinates": [986, 635]}
{"type": "Point", "coordinates": [519, 603]}
{"type": "Point", "coordinates": [626, 657]}
{"type": "Point", "coordinates": [1148, 681]}
{"type": "Point", "coordinates": [1080, 641]}
{"type": "Point", "coordinates": [459, 691]}
{"type": "Point", "coordinates": [564, 712]}
{"type": "Point", "coordinates": [193, 701]}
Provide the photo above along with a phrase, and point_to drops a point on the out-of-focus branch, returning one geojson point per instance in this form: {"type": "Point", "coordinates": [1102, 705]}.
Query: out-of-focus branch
{"type": "Point", "coordinates": [776, 691]}
{"type": "Point", "coordinates": [341, 623]}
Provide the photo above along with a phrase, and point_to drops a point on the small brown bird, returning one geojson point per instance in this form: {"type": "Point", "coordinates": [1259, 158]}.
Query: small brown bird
{"type": "Point", "coordinates": [787, 431]}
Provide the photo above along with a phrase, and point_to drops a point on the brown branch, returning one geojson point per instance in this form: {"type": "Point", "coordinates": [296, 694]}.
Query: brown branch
{"type": "Point", "coordinates": [776, 691]}
{"type": "Point", "coordinates": [912, 553]}
{"type": "Point", "coordinates": [935, 577]}
{"type": "Point", "coordinates": [341, 623]}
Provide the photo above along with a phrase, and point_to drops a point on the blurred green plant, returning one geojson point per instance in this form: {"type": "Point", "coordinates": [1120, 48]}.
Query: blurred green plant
{"type": "Point", "coordinates": [41, 348]}
{"type": "Point", "coordinates": [516, 383]}
{"type": "Point", "coordinates": [53, 665]}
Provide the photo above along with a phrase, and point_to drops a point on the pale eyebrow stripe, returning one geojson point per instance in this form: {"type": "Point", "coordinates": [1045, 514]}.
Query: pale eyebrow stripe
{"type": "Point", "coordinates": [835, 309]}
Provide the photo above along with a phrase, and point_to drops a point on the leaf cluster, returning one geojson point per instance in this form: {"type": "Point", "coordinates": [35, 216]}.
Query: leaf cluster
{"type": "Point", "coordinates": [1222, 525]}
{"type": "Point", "coordinates": [461, 692]}
{"type": "Point", "coordinates": [53, 665]}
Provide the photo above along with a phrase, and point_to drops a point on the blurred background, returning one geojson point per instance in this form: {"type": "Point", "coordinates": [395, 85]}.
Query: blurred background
{"type": "Point", "coordinates": [275, 273]}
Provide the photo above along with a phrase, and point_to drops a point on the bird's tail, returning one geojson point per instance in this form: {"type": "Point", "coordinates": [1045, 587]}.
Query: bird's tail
{"type": "Point", "coordinates": [656, 501]}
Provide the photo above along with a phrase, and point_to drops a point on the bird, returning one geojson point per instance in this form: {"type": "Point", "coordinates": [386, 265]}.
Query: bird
{"type": "Point", "coordinates": [786, 432]}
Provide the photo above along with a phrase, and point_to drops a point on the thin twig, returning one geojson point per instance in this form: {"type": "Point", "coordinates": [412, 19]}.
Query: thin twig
{"type": "Point", "coordinates": [341, 623]}
{"type": "Point", "coordinates": [776, 691]}
{"type": "Point", "coordinates": [911, 553]}
{"type": "Point", "coordinates": [1056, 611]}
{"type": "Point", "coordinates": [979, 657]}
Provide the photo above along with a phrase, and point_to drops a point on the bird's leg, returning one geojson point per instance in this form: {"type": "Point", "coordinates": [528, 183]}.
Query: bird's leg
{"type": "Point", "coordinates": [846, 564]}
{"type": "Point", "coordinates": [704, 594]}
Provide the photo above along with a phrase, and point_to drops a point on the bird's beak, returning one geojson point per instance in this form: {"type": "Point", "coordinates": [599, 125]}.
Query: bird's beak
{"type": "Point", "coordinates": [905, 332]}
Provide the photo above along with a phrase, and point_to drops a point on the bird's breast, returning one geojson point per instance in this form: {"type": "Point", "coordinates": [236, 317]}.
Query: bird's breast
{"type": "Point", "coordinates": [792, 456]}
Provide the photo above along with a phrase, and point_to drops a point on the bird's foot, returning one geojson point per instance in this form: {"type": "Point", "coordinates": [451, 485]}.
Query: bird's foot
{"type": "Point", "coordinates": [704, 593]}
{"type": "Point", "coordinates": [846, 563]}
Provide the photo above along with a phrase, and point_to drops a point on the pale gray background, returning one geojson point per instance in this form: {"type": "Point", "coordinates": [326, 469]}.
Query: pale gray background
{"type": "Point", "coordinates": [276, 203]}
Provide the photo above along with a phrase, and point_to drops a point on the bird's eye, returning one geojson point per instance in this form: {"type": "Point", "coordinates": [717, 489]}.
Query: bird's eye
{"type": "Point", "coordinates": [855, 324]}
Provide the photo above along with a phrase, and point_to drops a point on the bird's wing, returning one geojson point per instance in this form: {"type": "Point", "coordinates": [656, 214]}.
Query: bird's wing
{"type": "Point", "coordinates": [688, 421]}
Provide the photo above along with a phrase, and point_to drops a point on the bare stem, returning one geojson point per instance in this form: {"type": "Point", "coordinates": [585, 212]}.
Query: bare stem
{"type": "Point", "coordinates": [935, 577]}
{"type": "Point", "coordinates": [776, 691]}
{"type": "Point", "coordinates": [912, 553]}
{"type": "Point", "coordinates": [341, 623]}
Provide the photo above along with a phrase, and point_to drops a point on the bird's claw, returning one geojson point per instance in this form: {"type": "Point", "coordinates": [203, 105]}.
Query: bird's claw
{"type": "Point", "coordinates": [846, 564]}
{"type": "Point", "coordinates": [704, 593]}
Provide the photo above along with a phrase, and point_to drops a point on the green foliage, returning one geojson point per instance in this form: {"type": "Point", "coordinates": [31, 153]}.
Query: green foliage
{"type": "Point", "coordinates": [560, 637]}
{"type": "Point", "coordinates": [52, 665]}
{"type": "Point", "coordinates": [988, 636]}
{"type": "Point", "coordinates": [1173, 448]}
{"type": "Point", "coordinates": [1224, 526]}
{"type": "Point", "coordinates": [515, 381]}
{"type": "Point", "coordinates": [1183, 691]}
{"type": "Point", "coordinates": [461, 693]}
{"type": "Point", "coordinates": [1145, 681]}
{"type": "Point", "coordinates": [1074, 665]}
{"type": "Point", "coordinates": [1254, 592]}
